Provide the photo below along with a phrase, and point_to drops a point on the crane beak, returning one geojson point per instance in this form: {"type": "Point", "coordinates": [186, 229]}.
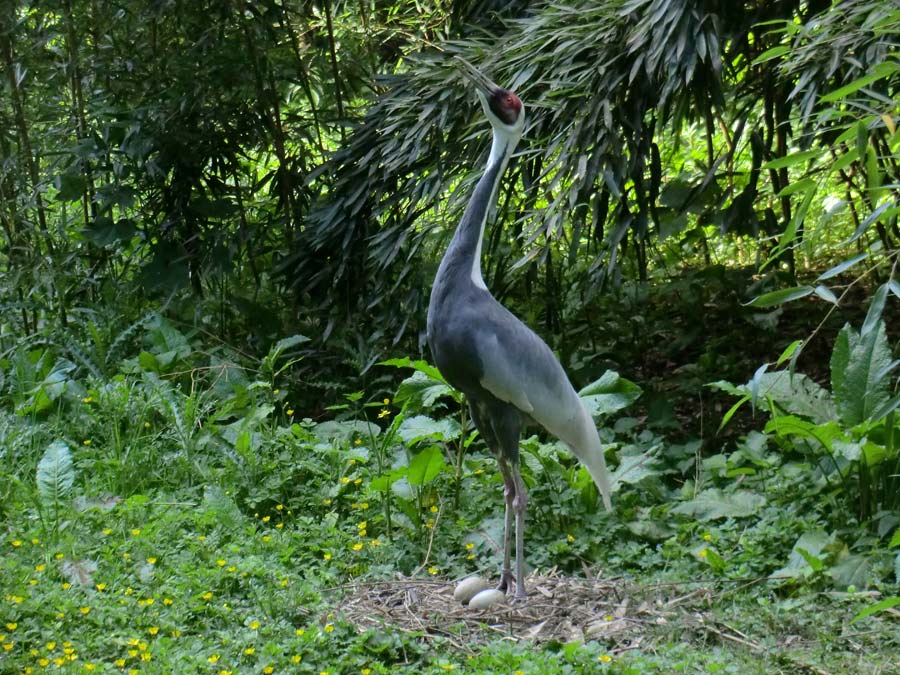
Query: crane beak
{"type": "Point", "coordinates": [471, 73]}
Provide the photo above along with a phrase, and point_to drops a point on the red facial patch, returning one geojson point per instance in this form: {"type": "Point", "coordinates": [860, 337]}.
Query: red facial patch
{"type": "Point", "coordinates": [506, 105]}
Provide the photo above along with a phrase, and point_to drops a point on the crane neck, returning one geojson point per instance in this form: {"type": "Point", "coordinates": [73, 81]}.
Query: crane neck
{"type": "Point", "coordinates": [463, 256]}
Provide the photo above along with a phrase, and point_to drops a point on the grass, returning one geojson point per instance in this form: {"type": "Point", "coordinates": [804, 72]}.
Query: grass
{"type": "Point", "coordinates": [182, 517]}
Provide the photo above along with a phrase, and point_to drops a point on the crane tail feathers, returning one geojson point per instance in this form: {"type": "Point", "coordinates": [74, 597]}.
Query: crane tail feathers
{"type": "Point", "coordinates": [589, 452]}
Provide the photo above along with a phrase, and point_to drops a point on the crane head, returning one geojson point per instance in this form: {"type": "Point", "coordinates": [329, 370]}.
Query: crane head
{"type": "Point", "coordinates": [503, 108]}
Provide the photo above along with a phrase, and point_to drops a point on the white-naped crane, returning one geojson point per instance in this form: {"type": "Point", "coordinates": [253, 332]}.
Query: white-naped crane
{"type": "Point", "coordinates": [505, 370]}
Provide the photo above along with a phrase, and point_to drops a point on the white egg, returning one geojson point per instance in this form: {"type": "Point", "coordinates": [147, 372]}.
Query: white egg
{"type": "Point", "coordinates": [468, 588]}
{"type": "Point", "coordinates": [487, 599]}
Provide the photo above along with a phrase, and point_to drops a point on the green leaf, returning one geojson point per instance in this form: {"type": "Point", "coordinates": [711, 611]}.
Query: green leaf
{"type": "Point", "coordinates": [853, 570]}
{"type": "Point", "coordinates": [426, 466]}
{"type": "Point", "coordinates": [55, 473]}
{"type": "Point", "coordinates": [887, 603]}
{"type": "Point", "coordinates": [421, 391]}
{"type": "Point", "coordinates": [417, 427]}
{"type": "Point", "coordinates": [810, 545]}
{"type": "Point", "coordinates": [789, 351]}
{"type": "Point", "coordinates": [713, 504]}
{"type": "Point", "coordinates": [880, 71]}
{"type": "Point", "coordinates": [862, 388]}
{"type": "Point", "coordinates": [842, 267]}
{"type": "Point", "coordinates": [876, 309]}
{"type": "Point", "coordinates": [420, 365]}
{"type": "Point", "coordinates": [781, 296]}
{"type": "Point", "coordinates": [895, 539]}
{"type": "Point", "coordinates": [792, 159]}
{"type": "Point", "coordinates": [608, 394]}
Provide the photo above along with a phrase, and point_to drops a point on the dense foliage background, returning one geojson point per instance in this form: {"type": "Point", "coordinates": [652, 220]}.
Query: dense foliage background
{"type": "Point", "coordinates": [220, 222]}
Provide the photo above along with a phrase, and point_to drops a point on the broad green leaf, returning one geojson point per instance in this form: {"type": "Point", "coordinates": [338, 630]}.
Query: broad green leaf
{"type": "Point", "coordinates": [609, 393]}
{"type": "Point", "coordinates": [862, 390]}
{"type": "Point", "coordinates": [421, 391]}
{"type": "Point", "coordinates": [781, 296]}
{"type": "Point", "coordinates": [795, 393]}
{"type": "Point", "coordinates": [713, 504]}
{"type": "Point", "coordinates": [55, 473]}
{"type": "Point", "coordinates": [809, 545]}
{"type": "Point", "coordinates": [426, 466]}
{"type": "Point", "coordinates": [840, 355]}
{"type": "Point", "coordinates": [852, 570]}
{"type": "Point", "coordinates": [417, 427]}
{"type": "Point", "coordinates": [887, 603]}
{"type": "Point", "coordinates": [420, 365]}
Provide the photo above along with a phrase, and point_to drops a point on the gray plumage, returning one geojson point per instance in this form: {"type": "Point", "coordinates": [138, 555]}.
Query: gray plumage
{"type": "Point", "coordinates": [505, 370]}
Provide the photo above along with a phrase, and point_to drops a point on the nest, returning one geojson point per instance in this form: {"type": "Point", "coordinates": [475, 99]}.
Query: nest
{"type": "Point", "coordinates": [559, 608]}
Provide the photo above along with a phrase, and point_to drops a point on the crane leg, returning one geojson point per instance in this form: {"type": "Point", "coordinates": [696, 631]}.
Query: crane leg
{"type": "Point", "coordinates": [500, 424]}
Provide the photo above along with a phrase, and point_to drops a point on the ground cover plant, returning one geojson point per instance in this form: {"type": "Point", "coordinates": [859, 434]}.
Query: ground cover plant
{"type": "Point", "coordinates": [223, 448]}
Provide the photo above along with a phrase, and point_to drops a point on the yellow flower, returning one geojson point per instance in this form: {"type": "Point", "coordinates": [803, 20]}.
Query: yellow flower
{"type": "Point", "coordinates": [151, 561]}
{"type": "Point", "coordinates": [85, 610]}
{"type": "Point", "coordinates": [89, 666]}
{"type": "Point", "coordinates": [224, 672]}
{"type": "Point", "coordinates": [387, 401]}
{"type": "Point", "coordinates": [345, 480]}
{"type": "Point", "coordinates": [605, 658]}
{"type": "Point", "coordinates": [279, 526]}
{"type": "Point", "coordinates": [232, 568]}
{"type": "Point", "coordinates": [707, 537]}
{"type": "Point", "coordinates": [213, 659]}
{"type": "Point", "coordinates": [327, 556]}
{"type": "Point", "coordinates": [357, 546]}
{"type": "Point", "coordinates": [289, 412]}
{"type": "Point", "coordinates": [300, 632]}
{"type": "Point", "coordinates": [434, 508]}
{"type": "Point", "coordinates": [119, 663]}
{"type": "Point", "coordinates": [207, 596]}
{"type": "Point", "coordinates": [357, 442]}
{"type": "Point", "coordinates": [43, 662]}
{"type": "Point", "coordinates": [16, 543]}
{"type": "Point", "coordinates": [384, 413]}
{"type": "Point", "coordinates": [167, 601]}
{"type": "Point", "coordinates": [35, 541]}
{"type": "Point", "coordinates": [296, 658]}
{"type": "Point", "coordinates": [153, 630]}
{"type": "Point", "coordinates": [363, 525]}
{"type": "Point", "coordinates": [329, 627]}
{"type": "Point", "coordinates": [470, 546]}
{"type": "Point", "coordinates": [87, 399]}
{"type": "Point", "coordinates": [220, 562]}
{"type": "Point", "coordinates": [518, 672]}
{"type": "Point", "coordinates": [268, 670]}
{"type": "Point", "coordinates": [266, 538]}
{"type": "Point", "coordinates": [8, 646]}
{"type": "Point", "coordinates": [570, 538]}
{"type": "Point", "coordinates": [279, 507]}
{"type": "Point", "coordinates": [326, 502]}
{"type": "Point", "coordinates": [50, 646]}
{"type": "Point", "coordinates": [362, 533]}
{"type": "Point", "coordinates": [101, 587]}
{"type": "Point", "coordinates": [11, 626]}
{"type": "Point", "coordinates": [135, 532]}
{"type": "Point", "coordinates": [86, 441]}
{"type": "Point", "coordinates": [365, 671]}
{"type": "Point", "coordinates": [284, 582]}
{"type": "Point", "coordinates": [357, 481]}
{"type": "Point", "coordinates": [704, 553]}
{"type": "Point", "coordinates": [375, 542]}
{"type": "Point", "coordinates": [175, 633]}
{"type": "Point", "coordinates": [433, 570]}
{"type": "Point", "coordinates": [249, 651]}
{"type": "Point", "coordinates": [201, 537]}
{"type": "Point", "coordinates": [59, 556]}
{"type": "Point", "coordinates": [66, 585]}
{"type": "Point", "coordinates": [254, 625]}
{"type": "Point", "coordinates": [266, 519]}
{"type": "Point", "coordinates": [40, 568]}
{"type": "Point", "coordinates": [448, 666]}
